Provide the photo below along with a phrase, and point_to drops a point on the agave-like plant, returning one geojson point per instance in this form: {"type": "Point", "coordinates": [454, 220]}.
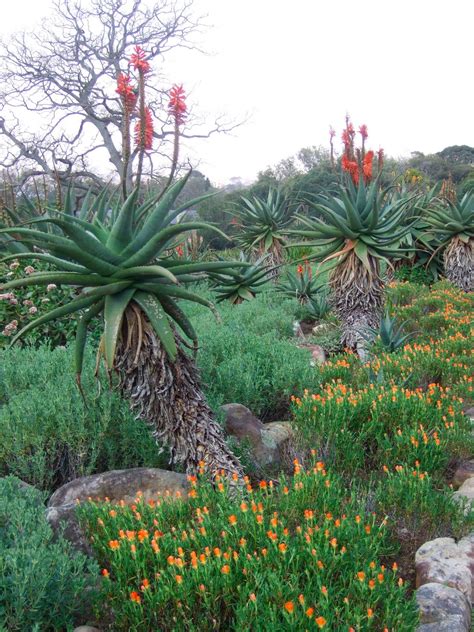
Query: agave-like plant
{"type": "Point", "coordinates": [241, 283]}
{"type": "Point", "coordinates": [391, 334]}
{"type": "Point", "coordinates": [452, 223]}
{"type": "Point", "coordinates": [120, 267]}
{"type": "Point", "coordinates": [301, 285]}
{"type": "Point", "coordinates": [262, 223]}
{"type": "Point", "coordinates": [356, 229]}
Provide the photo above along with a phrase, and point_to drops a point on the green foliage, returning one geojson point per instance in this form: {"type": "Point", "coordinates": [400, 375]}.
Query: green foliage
{"type": "Point", "coordinates": [44, 583]}
{"type": "Point", "coordinates": [276, 558]}
{"type": "Point", "coordinates": [241, 284]}
{"type": "Point", "coordinates": [448, 219]}
{"type": "Point", "coordinates": [417, 274]}
{"type": "Point", "coordinates": [365, 219]}
{"type": "Point", "coordinates": [249, 356]}
{"type": "Point", "coordinates": [301, 285]}
{"type": "Point", "coordinates": [23, 305]}
{"type": "Point", "coordinates": [262, 221]}
{"type": "Point", "coordinates": [390, 335]}
{"type": "Point", "coordinates": [115, 260]}
{"type": "Point", "coordinates": [50, 436]}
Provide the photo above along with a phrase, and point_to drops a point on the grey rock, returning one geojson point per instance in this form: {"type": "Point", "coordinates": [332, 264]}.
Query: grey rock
{"type": "Point", "coordinates": [442, 561]}
{"type": "Point", "coordinates": [438, 603]}
{"type": "Point", "coordinates": [119, 485]}
{"type": "Point", "coordinates": [241, 423]}
{"type": "Point", "coordinates": [464, 471]}
{"type": "Point", "coordinates": [448, 625]}
{"type": "Point", "coordinates": [115, 485]}
{"type": "Point", "coordinates": [86, 628]}
{"type": "Point", "coordinates": [269, 443]}
{"type": "Point", "coordinates": [63, 521]}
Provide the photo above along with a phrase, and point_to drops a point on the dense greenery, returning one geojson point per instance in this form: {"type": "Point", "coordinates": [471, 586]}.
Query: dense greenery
{"type": "Point", "coordinates": [44, 583]}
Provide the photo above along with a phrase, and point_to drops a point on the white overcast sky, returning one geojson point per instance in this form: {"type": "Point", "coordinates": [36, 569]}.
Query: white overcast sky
{"type": "Point", "coordinates": [295, 67]}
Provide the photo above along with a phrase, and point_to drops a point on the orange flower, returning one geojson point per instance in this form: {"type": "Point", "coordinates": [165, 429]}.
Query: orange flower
{"type": "Point", "coordinates": [232, 519]}
{"type": "Point", "coordinates": [371, 584]}
{"type": "Point", "coordinates": [134, 596]}
{"type": "Point", "coordinates": [370, 613]}
{"type": "Point", "coordinates": [225, 569]}
{"type": "Point", "coordinates": [145, 584]}
{"type": "Point", "coordinates": [179, 579]}
{"type": "Point", "coordinates": [361, 576]}
{"type": "Point", "coordinates": [324, 590]}
{"type": "Point", "coordinates": [105, 572]}
{"type": "Point", "coordinates": [217, 551]}
{"type": "Point", "coordinates": [301, 599]}
{"type": "Point", "coordinates": [320, 622]}
{"type": "Point", "coordinates": [114, 544]}
{"type": "Point", "coordinates": [289, 606]}
{"type": "Point", "coordinates": [253, 597]}
{"type": "Point", "coordinates": [309, 612]}
{"type": "Point", "coordinates": [282, 547]}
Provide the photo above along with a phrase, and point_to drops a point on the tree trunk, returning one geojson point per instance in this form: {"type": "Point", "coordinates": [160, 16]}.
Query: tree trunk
{"type": "Point", "coordinates": [459, 263]}
{"type": "Point", "coordinates": [357, 296]}
{"type": "Point", "coordinates": [168, 396]}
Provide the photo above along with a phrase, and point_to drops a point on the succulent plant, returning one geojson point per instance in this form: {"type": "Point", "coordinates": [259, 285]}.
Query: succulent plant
{"type": "Point", "coordinates": [356, 229]}
{"type": "Point", "coordinates": [241, 283]}
{"type": "Point", "coordinates": [451, 222]}
{"type": "Point", "coordinates": [120, 267]}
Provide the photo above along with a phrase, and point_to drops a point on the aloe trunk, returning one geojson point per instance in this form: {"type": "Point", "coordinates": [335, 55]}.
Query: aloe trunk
{"type": "Point", "coordinates": [459, 263]}
{"type": "Point", "coordinates": [357, 297]}
{"type": "Point", "coordinates": [167, 395]}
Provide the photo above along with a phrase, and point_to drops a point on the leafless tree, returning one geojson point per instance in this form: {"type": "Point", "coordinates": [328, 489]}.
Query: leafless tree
{"type": "Point", "coordinates": [59, 112]}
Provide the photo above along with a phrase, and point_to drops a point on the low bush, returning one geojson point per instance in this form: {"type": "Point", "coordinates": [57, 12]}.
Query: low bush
{"type": "Point", "coordinates": [303, 555]}
{"type": "Point", "coordinates": [44, 584]}
{"type": "Point", "coordinates": [50, 435]}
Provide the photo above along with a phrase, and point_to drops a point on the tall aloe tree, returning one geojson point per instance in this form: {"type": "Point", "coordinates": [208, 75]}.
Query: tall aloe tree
{"type": "Point", "coordinates": [262, 223]}
{"type": "Point", "coordinates": [356, 230]}
{"type": "Point", "coordinates": [121, 270]}
{"type": "Point", "coordinates": [452, 224]}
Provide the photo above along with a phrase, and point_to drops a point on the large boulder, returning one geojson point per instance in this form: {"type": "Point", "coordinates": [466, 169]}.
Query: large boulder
{"type": "Point", "coordinates": [443, 605]}
{"type": "Point", "coordinates": [443, 561]}
{"type": "Point", "coordinates": [270, 444]}
{"type": "Point", "coordinates": [115, 486]}
{"type": "Point", "coordinates": [465, 494]}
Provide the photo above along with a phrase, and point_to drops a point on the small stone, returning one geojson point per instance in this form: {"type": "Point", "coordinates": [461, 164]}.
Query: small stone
{"type": "Point", "coordinates": [442, 561]}
{"type": "Point", "coordinates": [464, 471]}
{"type": "Point", "coordinates": [86, 628]}
{"type": "Point", "coordinates": [438, 603]}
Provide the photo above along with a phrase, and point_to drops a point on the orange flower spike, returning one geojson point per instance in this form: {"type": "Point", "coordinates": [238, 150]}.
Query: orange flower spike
{"type": "Point", "coordinates": [244, 507]}
{"type": "Point", "coordinates": [321, 622]}
{"type": "Point", "coordinates": [114, 544]}
{"type": "Point", "coordinates": [324, 590]}
{"type": "Point", "coordinates": [361, 576]}
{"type": "Point", "coordinates": [370, 613]}
{"type": "Point", "coordinates": [134, 596]}
{"type": "Point", "coordinates": [105, 572]}
{"type": "Point", "coordinates": [253, 597]}
{"type": "Point", "coordinates": [232, 519]}
{"type": "Point", "coordinates": [282, 547]}
{"type": "Point", "coordinates": [179, 579]}
{"type": "Point", "coordinates": [301, 599]}
{"type": "Point", "coordinates": [309, 612]}
{"type": "Point", "coordinates": [371, 584]}
{"type": "Point", "coordinates": [289, 606]}
{"type": "Point", "coordinates": [225, 569]}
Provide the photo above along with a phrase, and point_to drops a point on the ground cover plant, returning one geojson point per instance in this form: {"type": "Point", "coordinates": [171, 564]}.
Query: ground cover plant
{"type": "Point", "coordinates": [44, 583]}
{"type": "Point", "coordinates": [298, 555]}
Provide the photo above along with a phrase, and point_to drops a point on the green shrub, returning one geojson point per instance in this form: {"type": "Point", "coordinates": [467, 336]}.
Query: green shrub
{"type": "Point", "coordinates": [44, 584]}
{"type": "Point", "coordinates": [50, 435]}
{"type": "Point", "coordinates": [248, 357]}
{"type": "Point", "coordinates": [303, 555]}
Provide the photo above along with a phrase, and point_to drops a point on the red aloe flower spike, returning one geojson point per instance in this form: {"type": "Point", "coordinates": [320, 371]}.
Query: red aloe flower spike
{"type": "Point", "coordinates": [363, 132]}
{"type": "Point", "coordinates": [367, 165]}
{"type": "Point", "coordinates": [147, 137]}
{"type": "Point", "coordinates": [177, 104]}
{"type": "Point", "coordinates": [127, 92]}
{"type": "Point", "coordinates": [138, 60]}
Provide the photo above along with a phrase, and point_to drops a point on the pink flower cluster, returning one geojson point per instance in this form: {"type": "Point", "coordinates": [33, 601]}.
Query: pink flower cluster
{"type": "Point", "coordinates": [10, 297]}
{"type": "Point", "coordinates": [11, 328]}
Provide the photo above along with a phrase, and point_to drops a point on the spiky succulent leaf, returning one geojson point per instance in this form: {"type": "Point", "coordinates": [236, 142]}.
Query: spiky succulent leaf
{"type": "Point", "coordinates": [117, 259]}
{"type": "Point", "coordinates": [242, 283]}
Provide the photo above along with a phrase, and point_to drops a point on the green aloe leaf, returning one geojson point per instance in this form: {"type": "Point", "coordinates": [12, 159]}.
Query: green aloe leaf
{"type": "Point", "coordinates": [159, 321]}
{"type": "Point", "coordinates": [114, 309]}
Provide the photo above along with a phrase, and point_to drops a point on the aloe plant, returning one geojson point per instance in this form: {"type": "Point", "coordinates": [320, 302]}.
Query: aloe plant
{"type": "Point", "coordinates": [390, 333]}
{"type": "Point", "coordinates": [241, 283]}
{"type": "Point", "coordinates": [301, 285]}
{"type": "Point", "coordinates": [262, 223]}
{"type": "Point", "coordinates": [357, 229]}
{"type": "Point", "coordinates": [121, 269]}
{"type": "Point", "coordinates": [451, 222]}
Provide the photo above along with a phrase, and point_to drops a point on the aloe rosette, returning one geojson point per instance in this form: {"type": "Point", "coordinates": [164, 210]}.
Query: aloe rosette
{"type": "Point", "coordinates": [356, 229]}
{"type": "Point", "coordinates": [451, 223]}
{"type": "Point", "coordinates": [119, 264]}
